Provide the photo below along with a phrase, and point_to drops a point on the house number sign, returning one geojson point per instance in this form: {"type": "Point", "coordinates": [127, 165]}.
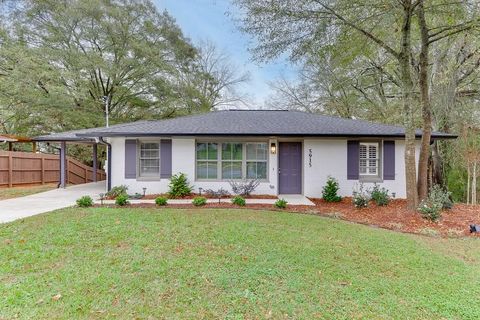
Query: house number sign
{"type": "Point", "coordinates": [310, 158]}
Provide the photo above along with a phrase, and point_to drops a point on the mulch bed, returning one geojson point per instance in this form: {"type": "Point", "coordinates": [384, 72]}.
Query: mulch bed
{"type": "Point", "coordinates": [394, 216]}
{"type": "Point", "coordinates": [193, 195]}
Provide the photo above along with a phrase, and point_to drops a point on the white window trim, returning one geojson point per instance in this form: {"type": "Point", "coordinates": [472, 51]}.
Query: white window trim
{"type": "Point", "coordinates": [368, 159]}
{"type": "Point", "coordinates": [244, 161]}
{"type": "Point", "coordinates": [146, 177]}
{"type": "Point", "coordinates": [372, 177]}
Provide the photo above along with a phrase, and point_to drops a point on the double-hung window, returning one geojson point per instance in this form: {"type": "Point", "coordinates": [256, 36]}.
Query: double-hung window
{"type": "Point", "coordinates": [369, 159]}
{"type": "Point", "coordinates": [257, 160]}
{"type": "Point", "coordinates": [149, 164]}
{"type": "Point", "coordinates": [232, 160]}
{"type": "Point", "coordinates": [207, 160]}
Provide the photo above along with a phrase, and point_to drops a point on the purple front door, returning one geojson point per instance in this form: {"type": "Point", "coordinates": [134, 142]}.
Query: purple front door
{"type": "Point", "coordinates": [290, 167]}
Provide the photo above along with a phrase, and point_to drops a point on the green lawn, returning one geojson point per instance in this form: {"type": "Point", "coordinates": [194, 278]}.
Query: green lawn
{"type": "Point", "coordinates": [15, 192]}
{"type": "Point", "coordinates": [234, 264]}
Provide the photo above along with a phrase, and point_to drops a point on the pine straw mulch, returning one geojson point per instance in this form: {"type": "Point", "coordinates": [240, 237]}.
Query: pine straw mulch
{"type": "Point", "coordinates": [394, 216]}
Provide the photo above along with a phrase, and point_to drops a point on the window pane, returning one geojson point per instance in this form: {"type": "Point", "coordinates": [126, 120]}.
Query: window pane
{"type": "Point", "coordinates": [206, 170]}
{"type": "Point", "coordinates": [201, 151]}
{"type": "Point", "coordinates": [212, 170]}
{"type": "Point", "coordinates": [226, 151]}
{"type": "Point", "coordinates": [256, 170]}
{"type": "Point", "coordinates": [257, 151]}
{"type": "Point", "coordinates": [363, 151]}
{"type": "Point", "coordinates": [231, 170]}
{"type": "Point", "coordinates": [149, 145]}
{"type": "Point", "coordinates": [232, 151]}
{"type": "Point", "coordinates": [149, 166]}
{"type": "Point", "coordinates": [212, 151]}
{"type": "Point", "coordinates": [372, 152]}
{"type": "Point", "coordinates": [202, 170]}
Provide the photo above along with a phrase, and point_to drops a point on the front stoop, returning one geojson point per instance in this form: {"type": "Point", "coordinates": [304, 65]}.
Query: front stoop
{"type": "Point", "coordinates": [296, 199]}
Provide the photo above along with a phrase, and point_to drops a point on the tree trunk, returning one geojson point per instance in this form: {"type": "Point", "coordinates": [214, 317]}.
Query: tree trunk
{"type": "Point", "coordinates": [468, 183]}
{"type": "Point", "coordinates": [408, 114]}
{"type": "Point", "coordinates": [437, 166]}
{"type": "Point", "coordinates": [474, 183]}
{"type": "Point", "coordinates": [425, 102]}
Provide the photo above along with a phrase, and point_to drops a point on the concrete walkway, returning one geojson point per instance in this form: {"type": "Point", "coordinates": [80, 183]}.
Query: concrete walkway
{"type": "Point", "coordinates": [18, 208]}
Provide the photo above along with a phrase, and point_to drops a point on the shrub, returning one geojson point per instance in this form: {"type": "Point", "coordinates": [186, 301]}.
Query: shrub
{"type": "Point", "coordinates": [161, 201]}
{"type": "Point", "coordinates": [244, 188]}
{"type": "Point", "coordinates": [281, 203]}
{"type": "Point", "coordinates": [85, 201]}
{"type": "Point", "coordinates": [121, 200]}
{"type": "Point", "coordinates": [239, 201]}
{"type": "Point", "coordinates": [438, 199]}
{"type": "Point", "coordinates": [439, 194]}
{"type": "Point", "coordinates": [219, 194]}
{"type": "Point", "coordinates": [179, 186]}
{"type": "Point", "coordinates": [430, 210]}
{"type": "Point", "coordinates": [360, 197]}
{"type": "Point", "coordinates": [380, 195]}
{"type": "Point", "coordinates": [199, 201]}
{"type": "Point", "coordinates": [117, 190]}
{"type": "Point", "coordinates": [329, 191]}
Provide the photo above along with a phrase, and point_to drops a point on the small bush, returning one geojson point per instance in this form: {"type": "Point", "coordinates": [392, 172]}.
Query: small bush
{"type": "Point", "coordinates": [438, 199]}
{"type": "Point", "coordinates": [85, 202]}
{"type": "Point", "coordinates": [281, 203]}
{"type": "Point", "coordinates": [438, 194]}
{"type": "Point", "coordinates": [244, 188]}
{"type": "Point", "coordinates": [179, 186]}
{"type": "Point", "coordinates": [329, 191]}
{"type": "Point", "coordinates": [199, 201]}
{"type": "Point", "coordinates": [430, 210]}
{"type": "Point", "coordinates": [219, 194]}
{"type": "Point", "coordinates": [161, 201]}
{"type": "Point", "coordinates": [360, 197]}
{"type": "Point", "coordinates": [380, 195]}
{"type": "Point", "coordinates": [122, 200]}
{"type": "Point", "coordinates": [239, 201]}
{"type": "Point", "coordinates": [117, 190]}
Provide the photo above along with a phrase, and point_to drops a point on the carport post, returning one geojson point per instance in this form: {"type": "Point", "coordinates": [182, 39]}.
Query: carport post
{"type": "Point", "coordinates": [63, 163]}
{"type": "Point", "coordinates": [94, 178]}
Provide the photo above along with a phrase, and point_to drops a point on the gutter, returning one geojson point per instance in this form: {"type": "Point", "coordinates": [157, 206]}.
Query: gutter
{"type": "Point", "coordinates": [109, 161]}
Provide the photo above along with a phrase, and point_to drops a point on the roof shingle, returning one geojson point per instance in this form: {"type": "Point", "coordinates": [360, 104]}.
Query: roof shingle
{"type": "Point", "coordinates": [253, 123]}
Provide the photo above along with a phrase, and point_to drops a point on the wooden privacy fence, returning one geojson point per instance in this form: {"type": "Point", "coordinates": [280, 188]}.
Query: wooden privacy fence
{"type": "Point", "coordinates": [26, 168]}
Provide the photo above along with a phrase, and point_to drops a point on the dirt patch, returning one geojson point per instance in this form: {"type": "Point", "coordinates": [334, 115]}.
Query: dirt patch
{"type": "Point", "coordinates": [395, 216]}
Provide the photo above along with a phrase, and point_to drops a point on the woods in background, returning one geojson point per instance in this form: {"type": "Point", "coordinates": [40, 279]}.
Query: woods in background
{"type": "Point", "coordinates": [412, 63]}
{"type": "Point", "coordinates": [62, 61]}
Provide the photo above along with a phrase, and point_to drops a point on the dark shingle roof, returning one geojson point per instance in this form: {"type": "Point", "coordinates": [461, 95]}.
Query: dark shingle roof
{"type": "Point", "coordinates": [254, 123]}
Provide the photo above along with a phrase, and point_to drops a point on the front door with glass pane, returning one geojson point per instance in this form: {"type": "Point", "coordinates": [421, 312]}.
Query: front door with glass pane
{"type": "Point", "coordinates": [290, 167]}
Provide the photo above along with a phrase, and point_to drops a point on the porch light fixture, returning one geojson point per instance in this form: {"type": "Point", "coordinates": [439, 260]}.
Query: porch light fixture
{"type": "Point", "coordinates": [273, 148]}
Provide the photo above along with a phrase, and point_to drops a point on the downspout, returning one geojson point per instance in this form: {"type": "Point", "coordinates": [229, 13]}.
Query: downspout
{"type": "Point", "coordinates": [109, 162]}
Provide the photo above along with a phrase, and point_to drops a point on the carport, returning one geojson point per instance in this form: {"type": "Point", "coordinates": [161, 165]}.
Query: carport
{"type": "Point", "coordinates": [63, 139]}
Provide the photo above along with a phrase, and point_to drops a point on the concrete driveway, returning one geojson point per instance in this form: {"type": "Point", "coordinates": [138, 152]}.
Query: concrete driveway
{"type": "Point", "coordinates": [18, 208]}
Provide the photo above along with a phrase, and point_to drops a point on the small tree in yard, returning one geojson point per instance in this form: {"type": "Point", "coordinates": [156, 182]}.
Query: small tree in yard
{"type": "Point", "coordinates": [179, 186]}
{"type": "Point", "coordinates": [329, 192]}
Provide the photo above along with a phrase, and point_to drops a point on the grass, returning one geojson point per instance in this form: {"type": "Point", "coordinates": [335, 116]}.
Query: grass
{"type": "Point", "coordinates": [233, 264]}
{"type": "Point", "coordinates": [15, 192]}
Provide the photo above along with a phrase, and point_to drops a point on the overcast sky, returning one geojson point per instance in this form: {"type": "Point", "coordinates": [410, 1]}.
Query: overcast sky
{"type": "Point", "coordinates": [208, 20]}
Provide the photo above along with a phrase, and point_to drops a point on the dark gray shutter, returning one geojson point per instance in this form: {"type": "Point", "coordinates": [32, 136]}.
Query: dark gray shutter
{"type": "Point", "coordinates": [353, 154]}
{"type": "Point", "coordinates": [388, 160]}
{"type": "Point", "coordinates": [130, 159]}
{"type": "Point", "coordinates": [165, 158]}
